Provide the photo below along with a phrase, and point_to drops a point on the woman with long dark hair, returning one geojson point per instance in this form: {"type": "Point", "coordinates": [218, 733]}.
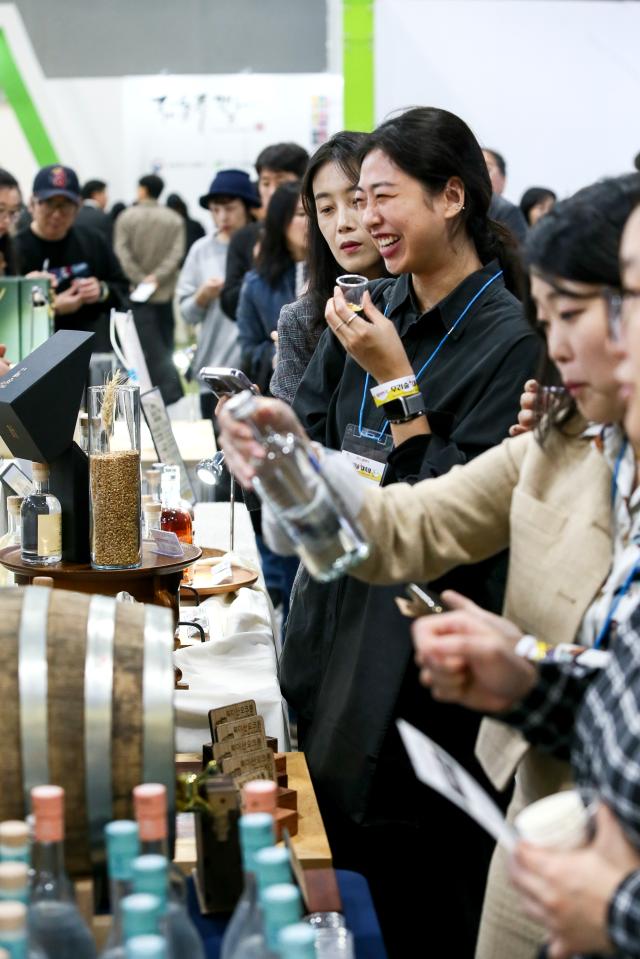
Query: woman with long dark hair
{"type": "Point", "coordinates": [337, 243]}
{"type": "Point", "coordinates": [277, 279]}
{"type": "Point", "coordinates": [562, 501]}
{"type": "Point", "coordinates": [451, 321]}
{"type": "Point", "coordinates": [9, 213]}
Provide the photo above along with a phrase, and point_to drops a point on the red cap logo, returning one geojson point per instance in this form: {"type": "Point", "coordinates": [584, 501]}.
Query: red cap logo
{"type": "Point", "coordinates": [59, 177]}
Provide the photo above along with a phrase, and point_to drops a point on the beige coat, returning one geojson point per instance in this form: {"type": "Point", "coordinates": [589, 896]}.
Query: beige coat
{"type": "Point", "coordinates": [551, 506]}
{"type": "Point", "coordinates": [150, 238]}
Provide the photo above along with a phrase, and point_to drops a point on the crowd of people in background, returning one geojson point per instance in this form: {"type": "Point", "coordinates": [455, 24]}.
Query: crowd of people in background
{"type": "Point", "coordinates": [515, 320]}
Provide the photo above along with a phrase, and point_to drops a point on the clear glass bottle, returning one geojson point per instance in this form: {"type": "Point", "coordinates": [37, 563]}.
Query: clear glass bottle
{"type": "Point", "coordinates": [123, 845]}
{"type": "Point", "coordinates": [14, 936]}
{"type": "Point", "coordinates": [41, 522]}
{"type": "Point", "coordinates": [282, 907]}
{"type": "Point", "coordinates": [54, 918]}
{"type": "Point", "coordinates": [152, 482]}
{"type": "Point", "coordinates": [15, 841]}
{"type": "Point", "coordinates": [256, 832]}
{"type": "Point", "coordinates": [175, 518]}
{"type": "Point", "coordinates": [14, 505]}
{"type": "Point", "coordinates": [150, 807]}
{"type": "Point", "coordinates": [152, 516]}
{"type": "Point", "coordinates": [151, 874]}
{"type": "Point", "coordinates": [290, 480]}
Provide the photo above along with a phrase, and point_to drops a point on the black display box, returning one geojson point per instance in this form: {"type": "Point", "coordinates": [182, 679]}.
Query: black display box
{"type": "Point", "coordinates": [40, 397]}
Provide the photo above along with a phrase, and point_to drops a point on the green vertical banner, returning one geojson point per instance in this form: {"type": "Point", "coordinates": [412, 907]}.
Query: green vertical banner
{"type": "Point", "coordinates": [20, 101]}
{"type": "Point", "coordinates": [358, 31]}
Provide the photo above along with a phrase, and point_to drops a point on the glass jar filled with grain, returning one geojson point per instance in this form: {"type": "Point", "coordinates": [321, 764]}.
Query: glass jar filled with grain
{"type": "Point", "coordinates": [114, 475]}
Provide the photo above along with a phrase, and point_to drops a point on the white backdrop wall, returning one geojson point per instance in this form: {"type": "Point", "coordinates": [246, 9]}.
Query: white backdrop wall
{"type": "Point", "coordinates": [187, 127]}
{"type": "Point", "coordinates": [553, 85]}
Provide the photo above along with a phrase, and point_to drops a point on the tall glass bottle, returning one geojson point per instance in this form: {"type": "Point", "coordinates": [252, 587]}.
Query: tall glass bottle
{"type": "Point", "coordinates": [150, 808]}
{"type": "Point", "coordinates": [13, 932]}
{"type": "Point", "coordinates": [151, 874]}
{"type": "Point", "coordinates": [123, 845]}
{"type": "Point", "coordinates": [282, 906]}
{"type": "Point", "coordinates": [54, 918]}
{"type": "Point", "coordinates": [41, 522]}
{"type": "Point", "coordinates": [256, 832]}
{"type": "Point", "coordinates": [290, 480]}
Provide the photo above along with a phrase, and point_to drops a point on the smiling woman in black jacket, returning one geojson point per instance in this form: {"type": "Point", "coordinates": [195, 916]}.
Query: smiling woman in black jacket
{"type": "Point", "coordinates": [451, 319]}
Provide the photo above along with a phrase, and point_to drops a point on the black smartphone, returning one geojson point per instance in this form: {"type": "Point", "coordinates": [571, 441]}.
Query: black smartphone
{"type": "Point", "coordinates": [225, 381]}
{"type": "Point", "coordinates": [429, 602]}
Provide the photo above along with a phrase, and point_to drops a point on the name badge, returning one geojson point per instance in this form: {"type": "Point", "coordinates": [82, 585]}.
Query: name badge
{"type": "Point", "coordinates": [367, 451]}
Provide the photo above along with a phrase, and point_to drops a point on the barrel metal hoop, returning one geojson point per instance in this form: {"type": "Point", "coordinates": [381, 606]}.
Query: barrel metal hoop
{"type": "Point", "coordinates": [98, 697]}
{"type": "Point", "coordinates": [158, 751]}
{"type": "Point", "coordinates": [33, 685]}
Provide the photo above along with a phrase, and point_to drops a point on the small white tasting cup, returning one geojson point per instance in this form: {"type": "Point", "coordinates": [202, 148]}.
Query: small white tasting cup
{"type": "Point", "coordinates": [560, 821]}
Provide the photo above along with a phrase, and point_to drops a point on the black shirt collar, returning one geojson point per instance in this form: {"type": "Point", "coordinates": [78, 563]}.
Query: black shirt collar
{"type": "Point", "coordinates": [403, 302]}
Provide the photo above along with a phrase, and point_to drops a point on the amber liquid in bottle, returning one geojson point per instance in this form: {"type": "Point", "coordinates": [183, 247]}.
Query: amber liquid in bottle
{"type": "Point", "coordinates": [177, 520]}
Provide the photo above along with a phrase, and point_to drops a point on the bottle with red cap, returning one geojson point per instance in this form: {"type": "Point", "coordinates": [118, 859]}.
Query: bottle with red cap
{"type": "Point", "coordinates": [150, 804]}
{"type": "Point", "coordinates": [256, 832]}
{"type": "Point", "coordinates": [54, 918]}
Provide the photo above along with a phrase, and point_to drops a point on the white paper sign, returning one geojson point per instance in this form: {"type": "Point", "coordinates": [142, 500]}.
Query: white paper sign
{"type": "Point", "coordinates": [436, 768]}
{"type": "Point", "coordinates": [166, 543]}
{"type": "Point", "coordinates": [155, 413]}
{"type": "Point", "coordinates": [142, 292]}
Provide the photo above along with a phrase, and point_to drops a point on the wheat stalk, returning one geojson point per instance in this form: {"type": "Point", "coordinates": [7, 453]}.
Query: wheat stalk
{"type": "Point", "coordinates": [109, 401]}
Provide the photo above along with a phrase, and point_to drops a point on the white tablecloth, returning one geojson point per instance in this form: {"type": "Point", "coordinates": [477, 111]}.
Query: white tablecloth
{"type": "Point", "coordinates": [240, 659]}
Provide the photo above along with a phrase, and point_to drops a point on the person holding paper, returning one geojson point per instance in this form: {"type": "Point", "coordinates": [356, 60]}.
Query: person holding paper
{"type": "Point", "coordinates": [588, 899]}
{"type": "Point", "coordinates": [546, 496]}
{"type": "Point", "coordinates": [149, 241]}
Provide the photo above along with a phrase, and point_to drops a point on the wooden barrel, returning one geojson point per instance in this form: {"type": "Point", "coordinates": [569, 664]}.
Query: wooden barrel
{"type": "Point", "coordinates": [86, 702]}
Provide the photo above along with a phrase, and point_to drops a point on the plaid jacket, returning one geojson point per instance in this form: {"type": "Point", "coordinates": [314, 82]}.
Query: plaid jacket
{"type": "Point", "coordinates": [593, 718]}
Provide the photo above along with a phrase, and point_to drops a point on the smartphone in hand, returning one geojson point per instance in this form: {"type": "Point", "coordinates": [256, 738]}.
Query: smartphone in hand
{"type": "Point", "coordinates": [225, 381]}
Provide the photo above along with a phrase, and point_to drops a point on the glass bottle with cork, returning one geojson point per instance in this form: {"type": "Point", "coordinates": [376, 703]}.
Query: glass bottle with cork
{"type": "Point", "coordinates": [54, 917]}
{"type": "Point", "coordinates": [14, 505]}
{"type": "Point", "coordinates": [41, 522]}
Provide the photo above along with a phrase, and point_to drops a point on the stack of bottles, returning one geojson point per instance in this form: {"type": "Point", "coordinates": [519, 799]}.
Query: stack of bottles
{"type": "Point", "coordinates": [39, 918]}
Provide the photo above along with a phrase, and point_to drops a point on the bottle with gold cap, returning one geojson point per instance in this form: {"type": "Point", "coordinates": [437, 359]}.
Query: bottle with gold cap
{"type": "Point", "coordinates": [13, 932]}
{"type": "Point", "coordinates": [54, 918]}
{"type": "Point", "coordinates": [41, 522]}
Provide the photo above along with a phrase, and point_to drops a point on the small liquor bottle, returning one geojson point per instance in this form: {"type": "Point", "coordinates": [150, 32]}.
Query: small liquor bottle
{"type": "Point", "coordinates": [41, 522]}
{"type": "Point", "coordinates": [14, 505]}
{"type": "Point", "coordinates": [175, 518]}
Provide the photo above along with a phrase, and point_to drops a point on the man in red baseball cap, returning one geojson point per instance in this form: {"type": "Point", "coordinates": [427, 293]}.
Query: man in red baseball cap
{"type": "Point", "coordinates": [88, 278]}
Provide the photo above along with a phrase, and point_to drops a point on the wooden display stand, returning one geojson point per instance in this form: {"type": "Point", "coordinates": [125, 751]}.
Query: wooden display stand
{"type": "Point", "coordinates": [311, 843]}
{"type": "Point", "coordinates": [156, 581]}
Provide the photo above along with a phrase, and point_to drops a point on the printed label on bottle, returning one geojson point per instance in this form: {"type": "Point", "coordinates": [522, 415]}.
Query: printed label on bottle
{"type": "Point", "coordinates": [50, 535]}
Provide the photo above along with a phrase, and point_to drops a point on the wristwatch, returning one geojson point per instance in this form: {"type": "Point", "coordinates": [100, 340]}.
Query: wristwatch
{"type": "Point", "coordinates": [405, 408]}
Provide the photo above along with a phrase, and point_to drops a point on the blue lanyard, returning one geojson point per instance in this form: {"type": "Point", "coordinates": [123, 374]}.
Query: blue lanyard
{"type": "Point", "coordinates": [622, 591]}
{"type": "Point", "coordinates": [619, 596]}
{"type": "Point", "coordinates": [428, 362]}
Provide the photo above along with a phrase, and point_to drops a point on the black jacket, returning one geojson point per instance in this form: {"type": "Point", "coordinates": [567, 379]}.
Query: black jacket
{"type": "Point", "coordinates": [239, 262]}
{"type": "Point", "coordinates": [87, 252]}
{"type": "Point", "coordinates": [347, 666]}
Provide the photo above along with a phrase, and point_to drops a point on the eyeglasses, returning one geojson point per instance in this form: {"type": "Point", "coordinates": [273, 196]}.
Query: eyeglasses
{"type": "Point", "coordinates": [10, 215]}
{"type": "Point", "coordinates": [622, 305]}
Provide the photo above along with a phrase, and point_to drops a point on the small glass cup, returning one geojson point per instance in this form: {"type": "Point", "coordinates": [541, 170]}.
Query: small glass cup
{"type": "Point", "coordinates": [334, 943]}
{"type": "Point", "coordinates": [548, 398]}
{"type": "Point", "coordinates": [353, 287]}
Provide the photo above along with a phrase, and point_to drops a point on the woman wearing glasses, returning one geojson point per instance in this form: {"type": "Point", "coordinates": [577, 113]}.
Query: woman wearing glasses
{"type": "Point", "coordinates": [9, 213]}
{"type": "Point", "coordinates": [559, 500]}
{"type": "Point", "coordinates": [587, 899]}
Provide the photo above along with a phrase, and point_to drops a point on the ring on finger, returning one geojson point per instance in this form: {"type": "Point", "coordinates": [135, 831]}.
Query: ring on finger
{"type": "Point", "coordinates": [341, 323]}
{"type": "Point", "coordinates": [350, 320]}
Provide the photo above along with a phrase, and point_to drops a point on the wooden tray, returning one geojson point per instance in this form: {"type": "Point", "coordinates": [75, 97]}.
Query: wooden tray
{"type": "Point", "coordinates": [202, 581]}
